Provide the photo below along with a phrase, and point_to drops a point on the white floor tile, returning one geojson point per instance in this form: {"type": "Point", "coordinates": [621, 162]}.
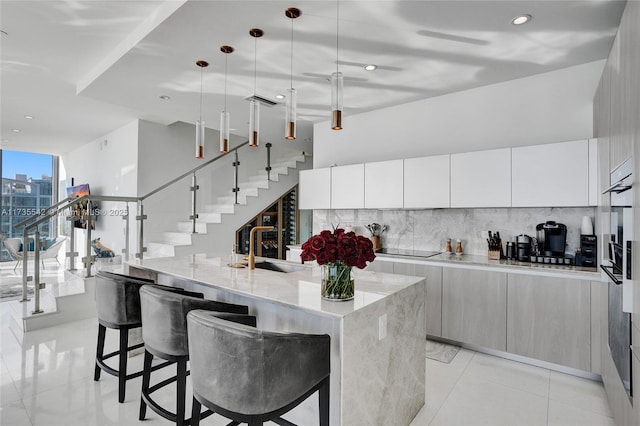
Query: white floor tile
{"type": "Point", "coordinates": [474, 401]}
{"type": "Point", "coordinates": [509, 373]}
{"type": "Point", "coordinates": [561, 414]}
{"type": "Point", "coordinates": [579, 393]}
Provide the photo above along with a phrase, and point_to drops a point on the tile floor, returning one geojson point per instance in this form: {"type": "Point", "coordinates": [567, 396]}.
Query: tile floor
{"type": "Point", "coordinates": [46, 378]}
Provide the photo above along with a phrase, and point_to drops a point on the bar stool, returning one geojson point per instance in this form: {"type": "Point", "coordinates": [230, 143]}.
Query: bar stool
{"type": "Point", "coordinates": [164, 331]}
{"type": "Point", "coordinates": [253, 376]}
{"type": "Point", "coordinates": [118, 307]}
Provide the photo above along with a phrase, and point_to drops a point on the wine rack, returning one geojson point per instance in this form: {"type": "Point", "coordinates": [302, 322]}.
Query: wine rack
{"type": "Point", "coordinates": [283, 215]}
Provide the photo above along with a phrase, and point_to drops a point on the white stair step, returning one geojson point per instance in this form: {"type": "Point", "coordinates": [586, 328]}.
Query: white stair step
{"type": "Point", "coordinates": [219, 208]}
{"type": "Point", "coordinates": [209, 217]}
{"type": "Point", "coordinates": [178, 237]}
{"type": "Point", "coordinates": [201, 227]}
{"type": "Point", "coordinates": [262, 184]}
{"type": "Point", "coordinates": [231, 199]}
{"type": "Point", "coordinates": [161, 249]}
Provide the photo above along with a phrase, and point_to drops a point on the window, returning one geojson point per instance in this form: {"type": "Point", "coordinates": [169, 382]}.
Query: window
{"type": "Point", "coordinates": [27, 188]}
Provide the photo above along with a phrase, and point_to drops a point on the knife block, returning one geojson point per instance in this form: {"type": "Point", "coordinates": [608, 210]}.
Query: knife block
{"type": "Point", "coordinates": [494, 254]}
{"type": "Point", "coordinates": [377, 245]}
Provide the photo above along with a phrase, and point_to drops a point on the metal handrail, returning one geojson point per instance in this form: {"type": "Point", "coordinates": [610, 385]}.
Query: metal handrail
{"type": "Point", "coordinates": [50, 212]}
{"type": "Point", "coordinates": [45, 211]}
{"type": "Point", "coordinates": [192, 171]}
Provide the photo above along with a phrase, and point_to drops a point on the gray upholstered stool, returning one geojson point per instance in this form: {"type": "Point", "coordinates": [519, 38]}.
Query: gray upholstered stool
{"type": "Point", "coordinates": [164, 331]}
{"type": "Point", "coordinates": [118, 307]}
{"type": "Point", "coordinates": [253, 376]}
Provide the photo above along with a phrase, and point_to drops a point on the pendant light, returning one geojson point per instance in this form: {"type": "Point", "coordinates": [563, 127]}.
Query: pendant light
{"type": "Point", "coordinates": [224, 115]}
{"type": "Point", "coordinates": [200, 123]}
{"type": "Point", "coordinates": [254, 105]}
{"type": "Point", "coordinates": [336, 81]}
{"type": "Point", "coordinates": [290, 116]}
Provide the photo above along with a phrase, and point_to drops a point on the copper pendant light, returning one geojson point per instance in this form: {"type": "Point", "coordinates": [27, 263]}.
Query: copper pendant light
{"type": "Point", "coordinates": [200, 129]}
{"type": "Point", "coordinates": [290, 115]}
{"type": "Point", "coordinates": [254, 105]}
{"type": "Point", "coordinates": [336, 81]}
{"type": "Point", "coordinates": [224, 115]}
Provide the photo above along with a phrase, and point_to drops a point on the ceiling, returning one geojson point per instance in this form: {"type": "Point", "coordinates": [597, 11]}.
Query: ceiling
{"type": "Point", "coordinates": [83, 68]}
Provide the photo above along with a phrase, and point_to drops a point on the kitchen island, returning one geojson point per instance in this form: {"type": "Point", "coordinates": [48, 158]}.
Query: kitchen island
{"type": "Point", "coordinates": [377, 339]}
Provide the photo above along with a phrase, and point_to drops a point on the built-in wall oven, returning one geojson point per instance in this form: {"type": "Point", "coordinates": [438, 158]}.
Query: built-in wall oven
{"type": "Point", "coordinates": [619, 271]}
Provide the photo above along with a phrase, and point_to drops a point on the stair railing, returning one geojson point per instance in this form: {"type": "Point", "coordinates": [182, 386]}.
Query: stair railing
{"type": "Point", "coordinates": [193, 188]}
{"type": "Point", "coordinates": [38, 219]}
{"type": "Point", "coordinates": [33, 222]}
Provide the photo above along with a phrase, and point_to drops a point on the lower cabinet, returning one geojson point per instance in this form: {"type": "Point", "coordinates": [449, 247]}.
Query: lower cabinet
{"type": "Point", "coordinates": [433, 303]}
{"type": "Point", "coordinates": [549, 319]}
{"type": "Point", "coordinates": [474, 307]}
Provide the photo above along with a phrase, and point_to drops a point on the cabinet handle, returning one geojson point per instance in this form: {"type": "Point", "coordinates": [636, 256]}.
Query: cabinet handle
{"type": "Point", "coordinates": [613, 278]}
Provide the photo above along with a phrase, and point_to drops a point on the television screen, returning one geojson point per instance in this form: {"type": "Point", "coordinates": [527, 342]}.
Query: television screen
{"type": "Point", "coordinates": [79, 211]}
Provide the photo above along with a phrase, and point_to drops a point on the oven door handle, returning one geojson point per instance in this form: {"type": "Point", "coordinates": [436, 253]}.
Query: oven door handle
{"type": "Point", "coordinates": [613, 278]}
{"type": "Point", "coordinates": [617, 187]}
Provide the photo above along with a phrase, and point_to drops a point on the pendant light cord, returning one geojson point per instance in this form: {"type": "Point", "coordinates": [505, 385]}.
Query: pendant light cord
{"type": "Point", "coordinates": [226, 57]}
{"type": "Point", "coordinates": [201, 94]}
{"type": "Point", "coordinates": [291, 75]}
{"type": "Point", "coordinates": [255, 63]}
{"type": "Point", "coordinates": [337, 31]}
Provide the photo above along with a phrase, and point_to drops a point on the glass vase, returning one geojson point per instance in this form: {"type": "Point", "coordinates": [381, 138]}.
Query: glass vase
{"type": "Point", "coordinates": [337, 284]}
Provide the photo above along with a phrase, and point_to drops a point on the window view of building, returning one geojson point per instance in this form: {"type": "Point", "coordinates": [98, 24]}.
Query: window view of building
{"type": "Point", "coordinates": [27, 189]}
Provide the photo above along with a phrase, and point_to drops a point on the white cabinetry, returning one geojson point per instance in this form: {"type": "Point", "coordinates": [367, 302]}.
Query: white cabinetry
{"type": "Point", "coordinates": [347, 187]}
{"type": "Point", "coordinates": [315, 189]}
{"type": "Point", "coordinates": [594, 191]}
{"type": "Point", "coordinates": [426, 182]}
{"type": "Point", "coordinates": [481, 179]}
{"type": "Point", "coordinates": [383, 185]}
{"type": "Point", "coordinates": [553, 175]}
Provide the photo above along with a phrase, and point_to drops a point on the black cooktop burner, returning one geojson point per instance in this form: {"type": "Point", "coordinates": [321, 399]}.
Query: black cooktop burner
{"type": "Point", "coordinates": [404, 252]}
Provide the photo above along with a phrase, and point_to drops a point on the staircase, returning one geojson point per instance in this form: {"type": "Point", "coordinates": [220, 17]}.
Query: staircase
{"type": "Point", "coordinates": [217, 223]}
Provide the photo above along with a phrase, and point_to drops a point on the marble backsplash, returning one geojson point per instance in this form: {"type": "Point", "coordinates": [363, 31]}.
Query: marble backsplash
{"type": "Point", "coordinates": [429, 229]}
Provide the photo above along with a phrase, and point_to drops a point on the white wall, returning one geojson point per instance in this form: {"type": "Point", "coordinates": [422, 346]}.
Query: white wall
{"type": "Point", "coordinates": [110, 166]}
{"type": "Point", "coordinates": [544, 108]}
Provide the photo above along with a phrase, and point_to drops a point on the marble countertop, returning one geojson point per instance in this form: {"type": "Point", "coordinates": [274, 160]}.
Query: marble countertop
{"type": "Point", "coordinates": [471, 261]}
{"type": "Point", "coordinates": [299, 288]}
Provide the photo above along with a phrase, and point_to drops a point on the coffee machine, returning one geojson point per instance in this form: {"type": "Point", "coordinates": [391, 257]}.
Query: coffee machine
{"type": "Point", "coordinates": [552, 239]}
{"type": "Point", "coordinates": [523, 248]}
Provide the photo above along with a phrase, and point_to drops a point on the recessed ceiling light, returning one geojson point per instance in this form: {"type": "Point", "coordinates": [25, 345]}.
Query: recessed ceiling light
{"type": "Point", "coordinates": [370, 67]}
{"type": "Point", "coordinates": [280, 96]}
{"type": "Point", "coordinates": [165, 97]}
{"type": "Point", "coordinates": [15, 130]}
{"type": "Point", "coordinates": [521, 19]}
{"type": "Point", "coordinates": [29, 117]}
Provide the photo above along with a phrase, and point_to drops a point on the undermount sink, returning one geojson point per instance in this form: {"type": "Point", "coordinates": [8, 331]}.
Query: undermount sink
{"type": "Point", "coordinates": [278, 267]}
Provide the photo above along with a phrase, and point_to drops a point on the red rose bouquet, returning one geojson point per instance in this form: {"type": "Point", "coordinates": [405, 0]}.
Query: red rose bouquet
{"type": "Point", "coordinates": [337, 252]}
{"type": "Point", "coordinates": [338, 246]}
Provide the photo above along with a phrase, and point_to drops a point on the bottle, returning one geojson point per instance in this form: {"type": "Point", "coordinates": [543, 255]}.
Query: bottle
{"type": "Point", "coordinates": [459, 247]}
{"type": "Point", "coordinates": [233, 257]}
{"type": "Point", "coordinates": [448, 249]}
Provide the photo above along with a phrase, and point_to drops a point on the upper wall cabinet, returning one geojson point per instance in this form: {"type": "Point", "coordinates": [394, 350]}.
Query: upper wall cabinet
{"type": "Point", "coordinates": [426, 182]}
{"type": "Point", "coordinates": [347, 187]}
{"type": "Point", "coordinates": [383, 185]}
{"type": "Point", "coordinates": [553, 175]}
{"type": "Point", "coordinates": [315, 189]}
{"type": "Point", "coordinates": [594, 189]}
{"type": "Point", "coordinates": [481, 179]}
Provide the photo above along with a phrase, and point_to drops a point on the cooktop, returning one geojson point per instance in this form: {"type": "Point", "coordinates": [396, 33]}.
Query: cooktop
{"type": "Point", "coordinates": [405, 252]}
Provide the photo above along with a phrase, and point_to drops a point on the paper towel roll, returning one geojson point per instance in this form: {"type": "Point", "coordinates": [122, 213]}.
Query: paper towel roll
{"type": "Point", "coordinates": [587, 226]}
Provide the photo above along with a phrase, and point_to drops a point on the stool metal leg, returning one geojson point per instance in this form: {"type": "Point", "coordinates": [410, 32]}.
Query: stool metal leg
{"type": "Point", "coordinates": [323, 397]}
{"type": "Point", "coordinates": [181, 387]}
{"type": "Point", "coordinates": [195, 412]}
{"type": "Point", "coordinates": [146, 376]}
{"type": "Point", "coordinates": [102, 330]}
{"type": "Point", "coordinates": [122, 369]}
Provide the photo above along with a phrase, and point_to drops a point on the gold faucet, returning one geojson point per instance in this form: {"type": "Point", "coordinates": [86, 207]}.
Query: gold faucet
{"type": "Point", "coordinates": [252, 257]}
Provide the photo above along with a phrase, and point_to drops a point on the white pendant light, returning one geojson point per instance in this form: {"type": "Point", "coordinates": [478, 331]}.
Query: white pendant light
{"type": "Point", "coordinates": [336, 81]}
{"type": "Point", "coordinates": [200, 123]}
{"type": "Point", "coordinates": [290, 115]}
{"type": "Point", "coordinates": [224, 115]}
{"type": "Point", "coordinates": [254, 105]}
